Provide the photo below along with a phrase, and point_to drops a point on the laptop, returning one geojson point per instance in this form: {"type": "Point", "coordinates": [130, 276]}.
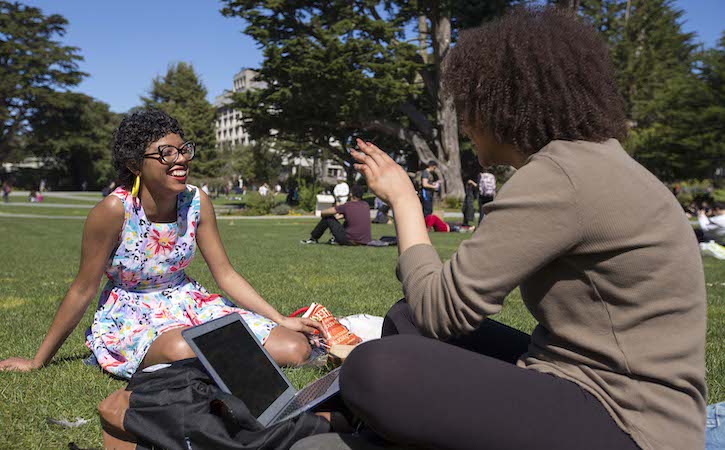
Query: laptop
{"type": "Point", "coordinates": [240, 366]}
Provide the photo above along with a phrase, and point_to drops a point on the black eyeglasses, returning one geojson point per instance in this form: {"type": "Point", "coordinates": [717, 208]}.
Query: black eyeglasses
{"type": "Point", "coordinates": [168, 154]}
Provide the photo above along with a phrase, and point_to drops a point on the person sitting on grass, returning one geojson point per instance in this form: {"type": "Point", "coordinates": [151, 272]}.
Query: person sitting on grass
{"type": "Point", "coordinates": [355, 231]}
{"type": "Point", "coordinates": [617, 360]}
{"type": "Point", "coordinates": [143, 236]}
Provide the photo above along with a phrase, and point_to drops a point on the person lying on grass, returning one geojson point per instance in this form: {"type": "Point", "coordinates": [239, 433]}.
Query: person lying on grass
{"type": "Point", "coordinates": [617, 359]}
{"type": "Point", "coordinates": [142, 237]}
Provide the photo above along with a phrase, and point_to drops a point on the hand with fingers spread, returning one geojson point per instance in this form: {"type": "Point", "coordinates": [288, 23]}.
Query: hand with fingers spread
{"type": "Point", "coordinates": [386, 178]}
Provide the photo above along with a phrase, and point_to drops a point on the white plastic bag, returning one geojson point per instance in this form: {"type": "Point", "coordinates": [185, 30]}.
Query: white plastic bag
{"type": "Point", "coordinates": [364, 325]}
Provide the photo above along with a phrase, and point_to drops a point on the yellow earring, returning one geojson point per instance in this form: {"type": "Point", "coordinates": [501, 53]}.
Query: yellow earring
{"type": "Point", "coordinates": [136, 186]}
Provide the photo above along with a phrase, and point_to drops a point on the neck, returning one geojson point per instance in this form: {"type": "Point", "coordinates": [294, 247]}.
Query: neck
{"type": "Point", "coordinates": [158, 207]}
{"type": "Point", "coordinates": [514, 157]}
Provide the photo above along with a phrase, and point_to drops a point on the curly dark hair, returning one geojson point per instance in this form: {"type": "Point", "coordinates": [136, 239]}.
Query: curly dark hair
{"type": "Point", "coordinates": [136, 131]}
{"type": "Point", "coordinates": [535, 75]}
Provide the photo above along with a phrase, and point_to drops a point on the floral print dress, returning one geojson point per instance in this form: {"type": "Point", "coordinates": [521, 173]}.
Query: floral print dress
{"type": "Point", "coordinates": [148, 291]}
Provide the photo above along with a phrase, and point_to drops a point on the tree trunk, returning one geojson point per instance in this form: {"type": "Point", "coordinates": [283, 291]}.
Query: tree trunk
{"type": "Point", "coordinates": [448, 152]}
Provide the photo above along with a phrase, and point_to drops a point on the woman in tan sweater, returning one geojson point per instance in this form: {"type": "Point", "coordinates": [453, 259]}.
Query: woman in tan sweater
{"type": "Point", "coordinates": [605, 260]}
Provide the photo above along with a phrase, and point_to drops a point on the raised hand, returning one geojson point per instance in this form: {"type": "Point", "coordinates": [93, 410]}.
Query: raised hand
{"type": "Point", "coordinates": [384, 176]}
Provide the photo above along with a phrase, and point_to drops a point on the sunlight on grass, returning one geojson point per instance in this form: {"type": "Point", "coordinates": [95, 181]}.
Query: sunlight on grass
{"type": "Point", "coordinates": [38, 260]}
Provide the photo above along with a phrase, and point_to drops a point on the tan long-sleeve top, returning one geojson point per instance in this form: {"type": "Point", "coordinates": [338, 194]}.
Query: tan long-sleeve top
{"type": "Point", "coordinates": [609, 267]}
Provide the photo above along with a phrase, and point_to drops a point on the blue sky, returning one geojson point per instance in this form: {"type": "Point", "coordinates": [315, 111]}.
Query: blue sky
{"type": "Point", "coordinates": [127, 43]}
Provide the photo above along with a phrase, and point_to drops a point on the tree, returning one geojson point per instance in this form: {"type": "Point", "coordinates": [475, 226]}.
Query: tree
{"type": "Point", "coordinates": [33, 65]}
{"type": "Point", "coordinates": [337, 69]}
{"type": "Point", "coordinates": [181, 94]}
{"type": "Point", "coordinates": [675, 115]}
{"type": "Point", "coordinates": [74, 131]}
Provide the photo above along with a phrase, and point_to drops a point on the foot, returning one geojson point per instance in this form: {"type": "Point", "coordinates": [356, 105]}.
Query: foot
{"type": "Point", "coordinates": [332, 241]}
{"type": "Point", "coordinates": [309, 241]}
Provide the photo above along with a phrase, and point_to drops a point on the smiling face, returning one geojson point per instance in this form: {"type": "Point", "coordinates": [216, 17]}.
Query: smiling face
{"type": "Point", "coordinates": [159, 177]}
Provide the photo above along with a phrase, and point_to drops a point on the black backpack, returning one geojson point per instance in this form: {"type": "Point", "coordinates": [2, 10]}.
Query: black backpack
{"type": "Point", "coordinates": [180, 407]}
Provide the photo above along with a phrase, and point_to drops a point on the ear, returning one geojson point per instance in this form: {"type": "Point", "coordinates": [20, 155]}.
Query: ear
{"type": "Point", "coordinates": [132, 168]}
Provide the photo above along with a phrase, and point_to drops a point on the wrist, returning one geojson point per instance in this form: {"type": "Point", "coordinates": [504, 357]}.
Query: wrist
{"type": "Point", "coordinates": [37, 364]}
{"type": "Point", "coordinates": [404, 199]}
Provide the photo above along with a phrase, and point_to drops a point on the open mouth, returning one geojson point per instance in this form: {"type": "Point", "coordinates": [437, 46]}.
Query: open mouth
{"type": "Point", "coordinates": [178, 173]}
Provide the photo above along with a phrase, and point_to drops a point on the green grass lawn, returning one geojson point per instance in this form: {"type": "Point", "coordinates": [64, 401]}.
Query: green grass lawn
{"type": "Point", "coordinates": [38, 260]}
{"type": "Point", "coordinates": [80, 211]}
{"type": "Point", "coordinates": [51, 199]}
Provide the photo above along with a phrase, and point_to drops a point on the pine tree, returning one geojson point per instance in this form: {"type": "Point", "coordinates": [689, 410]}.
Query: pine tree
{"type": "Point", "coordinates": [33, 66]}
{"type": "Point", "coordinates": [181, 94]}
{"type": "Point", "coordinates": [673, 112]}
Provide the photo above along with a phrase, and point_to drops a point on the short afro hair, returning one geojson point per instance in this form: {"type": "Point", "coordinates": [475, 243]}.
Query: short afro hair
{"type": "Point", "coordinates": [535, 75]}
{"type": "Point", "coordinates": [136, 131]}
{"type": "Point", "coordinates": [357, 191]}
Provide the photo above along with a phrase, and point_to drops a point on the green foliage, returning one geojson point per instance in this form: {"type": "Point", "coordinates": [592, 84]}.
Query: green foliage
{"type": "Point", "coordinates": [280, 210]}
{"type": "Point", "coordinates": [182, 95]}
{"type": "Point", "coordinates": [452, 203]}
{"type": "Point", "coordinates": [33, 65]}
{"type": "Point", "coordinates": [308, 195]}
{"type": "Point", "coordinates": [326, 64]}
{"type": "Point", "coordinates": [673, 93]}
{"type": "Point", "coordinates": [259, 205]}
{"type": "Point", "coordinates": [75, 130]}
{"type": "Point", "coordinates": [339, 69]}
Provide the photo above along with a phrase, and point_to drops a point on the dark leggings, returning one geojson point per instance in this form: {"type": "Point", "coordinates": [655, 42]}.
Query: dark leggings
{"type": "Point", "coordinates": [467, 393]}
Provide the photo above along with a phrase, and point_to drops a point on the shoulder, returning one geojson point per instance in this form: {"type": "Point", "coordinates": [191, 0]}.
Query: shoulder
{"type": "Point", "coordinates": [542, 175]}
{"type": "Point", "coordinates": [109, 214]}
{"type": "Point", "coordinates": [203, 200]}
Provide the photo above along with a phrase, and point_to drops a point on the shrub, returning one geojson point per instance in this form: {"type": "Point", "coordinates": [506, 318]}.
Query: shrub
{"type": "Point", "coordinates": [308, 195]}
{"type": "Point", "coordinates": [281, 210]}
{"type": "Point", "coordinates": [258, 205]}
{"type": "Point", "coordinates": [452, 203]}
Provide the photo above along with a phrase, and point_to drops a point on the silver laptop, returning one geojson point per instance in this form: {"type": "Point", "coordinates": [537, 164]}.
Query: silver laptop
{"type": "Point", "coordinates": [241, 366]}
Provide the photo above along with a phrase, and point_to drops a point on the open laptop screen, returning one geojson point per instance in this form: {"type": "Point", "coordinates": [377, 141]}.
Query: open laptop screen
{"type": "Point", "coordinates": [242, 365]}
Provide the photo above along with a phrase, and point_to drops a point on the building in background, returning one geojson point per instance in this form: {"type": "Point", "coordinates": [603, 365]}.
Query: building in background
{"type": "Point", "coordinates": [230, 132]}
{"type": "Point", "coordinates": [229, 122]}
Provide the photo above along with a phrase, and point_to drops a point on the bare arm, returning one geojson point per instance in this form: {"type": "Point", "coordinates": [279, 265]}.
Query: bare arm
{"type": "Point", "coordinates": [232, 283]}
{"type": "Point", "coordinates": [427, 184]}
{"type": "Point", "coordinates": [331, 211]}
{"type": "Point", "coordinates": [100, 235]}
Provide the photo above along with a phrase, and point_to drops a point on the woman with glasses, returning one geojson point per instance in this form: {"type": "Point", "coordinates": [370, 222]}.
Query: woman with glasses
{"type": "Point", "coordinates": [142, 237]}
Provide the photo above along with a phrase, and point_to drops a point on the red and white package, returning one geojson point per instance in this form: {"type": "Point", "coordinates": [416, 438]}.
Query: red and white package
{"type": "Point", "coordinates": [339, 334]}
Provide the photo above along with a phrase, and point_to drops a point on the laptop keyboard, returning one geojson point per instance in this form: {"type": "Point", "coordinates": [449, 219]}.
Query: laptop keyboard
{"type": "Point", "coordinates": [308, 395]}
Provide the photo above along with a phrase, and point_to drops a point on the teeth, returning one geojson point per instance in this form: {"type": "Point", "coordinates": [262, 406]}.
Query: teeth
{"type": "Point", "coordinates": [178, 173]}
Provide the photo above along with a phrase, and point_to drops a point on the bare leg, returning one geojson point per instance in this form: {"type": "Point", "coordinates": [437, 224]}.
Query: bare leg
{"type": "Point", "coordinates": [113, 443]}
{"type": "Point", "coordinates": [168, 347]}
{"type": "Point", "coordinates": [112, 411]}
{"type": "Point", "coordinates": [287, 347]}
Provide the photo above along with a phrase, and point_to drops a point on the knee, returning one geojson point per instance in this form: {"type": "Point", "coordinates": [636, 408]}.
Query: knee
{"type": "Point", "coordinates": [374, 371]}
{"type": "Point", "coordinates": [177, 349]}
{"type": "Point", "coordinates": [296, 350]}
{"type": "Point", "coordinates": [112, 409]}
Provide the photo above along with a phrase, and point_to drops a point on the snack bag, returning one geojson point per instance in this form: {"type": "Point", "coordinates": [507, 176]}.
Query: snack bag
{"type": "Point", "coordinates": [338, 333]}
